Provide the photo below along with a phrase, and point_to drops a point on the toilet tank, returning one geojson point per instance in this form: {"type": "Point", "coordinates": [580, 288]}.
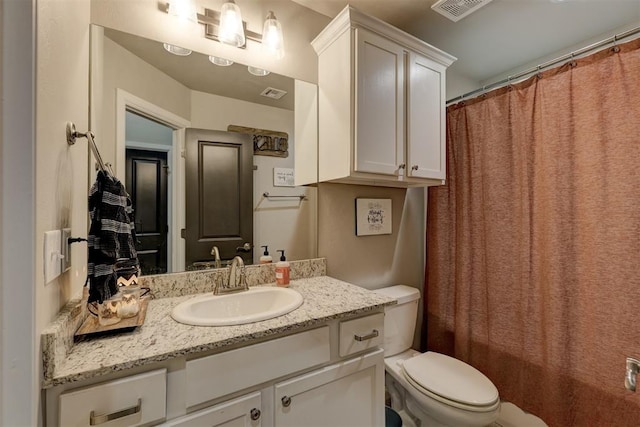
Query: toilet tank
{"type": "Point", "coordinates": [399, 319]}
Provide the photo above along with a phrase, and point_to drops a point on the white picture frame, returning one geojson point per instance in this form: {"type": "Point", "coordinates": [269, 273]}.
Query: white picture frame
{"type": "Point", "coordinates": [373, 217]}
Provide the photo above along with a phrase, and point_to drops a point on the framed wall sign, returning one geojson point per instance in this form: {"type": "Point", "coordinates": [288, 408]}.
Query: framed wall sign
{"type": "Point", "coordinates": [373, 217]}
{"type": "Point", "coordinates": [283, 177]}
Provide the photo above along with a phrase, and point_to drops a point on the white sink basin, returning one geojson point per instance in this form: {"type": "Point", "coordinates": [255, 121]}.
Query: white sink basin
{"type": "Point", "coordinates": [256, 304]}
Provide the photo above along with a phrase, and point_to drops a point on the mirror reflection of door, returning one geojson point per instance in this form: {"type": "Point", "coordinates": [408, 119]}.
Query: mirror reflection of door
{"type": "Point", "coordinates": [146, 180]}
{"type": "Point", "coordinates": [147, 183]}
{"type": "Point", "coordinates": [219, 196]}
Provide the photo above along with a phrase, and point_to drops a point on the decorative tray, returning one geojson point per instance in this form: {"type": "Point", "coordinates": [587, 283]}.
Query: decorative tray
{"type": "Point", "coordinates": [92, 326]}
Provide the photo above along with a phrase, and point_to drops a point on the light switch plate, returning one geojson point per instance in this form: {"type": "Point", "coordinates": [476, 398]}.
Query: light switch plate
{"type": "Point", "coordinates": [52, 255]}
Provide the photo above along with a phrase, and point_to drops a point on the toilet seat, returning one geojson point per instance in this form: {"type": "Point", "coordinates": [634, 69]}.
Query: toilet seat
{"type": "Point", "coordinates": [451, 382]}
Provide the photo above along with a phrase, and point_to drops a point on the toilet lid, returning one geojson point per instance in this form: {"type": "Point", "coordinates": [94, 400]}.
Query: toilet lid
{"type": "Point", "coordinates": [451, 378]}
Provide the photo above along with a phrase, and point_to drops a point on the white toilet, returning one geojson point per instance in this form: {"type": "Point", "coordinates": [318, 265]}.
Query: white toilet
{"type": "Point", "coordinates": [435, 389]}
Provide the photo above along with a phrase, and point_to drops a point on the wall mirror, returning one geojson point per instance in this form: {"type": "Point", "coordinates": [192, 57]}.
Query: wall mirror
{"type": "Point", "coordinates": [146, 101]}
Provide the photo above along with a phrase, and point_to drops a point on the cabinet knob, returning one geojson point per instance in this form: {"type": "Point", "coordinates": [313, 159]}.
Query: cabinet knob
{"type": "Point", "coordinates": [286, 401]}
{"type": "Point", "coordinates": [414, 167]}
{"type": "Point", "coordinates": [402, 166]}
{"type": "Point", "coordinates": [255, 414]}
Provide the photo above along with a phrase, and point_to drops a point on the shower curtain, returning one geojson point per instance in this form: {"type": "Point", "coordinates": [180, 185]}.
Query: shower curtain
{"type": "Point", "coordinates": [533, 246]}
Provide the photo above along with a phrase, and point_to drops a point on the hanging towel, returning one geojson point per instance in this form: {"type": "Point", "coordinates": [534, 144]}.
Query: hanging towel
{"type": "Point", "coordinates": [111, 235]}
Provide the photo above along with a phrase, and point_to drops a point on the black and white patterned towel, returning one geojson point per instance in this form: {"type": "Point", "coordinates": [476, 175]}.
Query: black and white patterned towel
{"type": "Point", "coordinates": [111, 235]}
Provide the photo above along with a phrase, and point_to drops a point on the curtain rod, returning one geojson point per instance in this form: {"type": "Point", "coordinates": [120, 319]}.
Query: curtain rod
{"type": "Point", "coordinates": [548, 64]}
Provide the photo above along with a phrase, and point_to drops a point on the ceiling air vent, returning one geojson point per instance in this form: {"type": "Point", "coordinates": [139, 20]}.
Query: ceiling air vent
{"type": "Point", "coordinates": [458, 9]}
{"type": "Point", "coordinates": [273, 93]}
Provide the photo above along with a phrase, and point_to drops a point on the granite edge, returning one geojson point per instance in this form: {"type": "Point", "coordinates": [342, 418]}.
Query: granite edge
{"type": "Point", "coordinates": [47, 383]}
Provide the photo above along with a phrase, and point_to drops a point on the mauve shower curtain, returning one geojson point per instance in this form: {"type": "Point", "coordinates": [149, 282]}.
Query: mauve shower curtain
{"type": "Point", "coordinates": [533, 246]}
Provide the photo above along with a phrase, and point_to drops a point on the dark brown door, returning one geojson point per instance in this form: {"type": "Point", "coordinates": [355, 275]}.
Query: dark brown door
{"type": "Point", "coordinates": [219, 194]}
{"type": "Point", "coordinates": [146, 180]}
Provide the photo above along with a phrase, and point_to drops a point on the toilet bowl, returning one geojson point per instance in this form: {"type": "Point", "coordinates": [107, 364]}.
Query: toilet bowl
{"type": "Point", "coordinates": [433, 388]}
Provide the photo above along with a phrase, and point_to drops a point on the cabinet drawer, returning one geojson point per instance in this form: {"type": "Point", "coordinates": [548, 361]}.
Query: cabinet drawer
{"type": "Point", "coordinates": [361, 334]}
{"type": "Point", "coordinates": [215, 376]}
{"type": "Point", "coordinates": [138, 399]}
{"type": "Point", "coordinates": [243, 411]}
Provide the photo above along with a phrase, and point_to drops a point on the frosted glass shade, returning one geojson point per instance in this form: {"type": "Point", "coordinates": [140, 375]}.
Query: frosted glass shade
{"type": "Point", "coordinates": [183, 9]}
{"type": "Point", "coordinates": [223, 62]}
{"type": "Point", "coordinates": [177, 50]}
{"type": "Point", "coordinates": [272, 39]}
{"type": "Point", "coordinates": [231, 31]}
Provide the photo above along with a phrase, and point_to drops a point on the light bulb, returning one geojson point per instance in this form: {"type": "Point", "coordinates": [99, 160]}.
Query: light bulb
{"type": "Point", "coordinates": [183, 9]}
{"type": "Point", "coordinates": [231, 31]}
{"type": "Point", "coordinates": [272, 39]}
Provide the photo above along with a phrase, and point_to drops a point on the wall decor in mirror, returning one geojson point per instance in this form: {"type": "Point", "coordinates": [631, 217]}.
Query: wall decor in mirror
{"type": "Point", "coordinates": [163, 122]}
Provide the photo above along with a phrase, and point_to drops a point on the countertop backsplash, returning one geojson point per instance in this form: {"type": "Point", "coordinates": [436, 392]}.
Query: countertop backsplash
{"type": "Point", "coordinates": [58, 338]}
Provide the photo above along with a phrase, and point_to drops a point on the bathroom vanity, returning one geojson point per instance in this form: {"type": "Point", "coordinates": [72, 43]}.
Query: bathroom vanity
{"type": "Point", "coordinates": [320, 364]}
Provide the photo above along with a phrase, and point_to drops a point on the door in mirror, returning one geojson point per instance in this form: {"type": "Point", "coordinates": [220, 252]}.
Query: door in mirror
{"type": "Point", "coordinates": [219, 195]}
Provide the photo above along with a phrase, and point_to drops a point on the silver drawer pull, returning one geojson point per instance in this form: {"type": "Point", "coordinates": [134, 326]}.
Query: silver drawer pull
{"type": "Point", "coordinates": [94, 419]}
{"type": "Point", "coordinates": [373, 334]}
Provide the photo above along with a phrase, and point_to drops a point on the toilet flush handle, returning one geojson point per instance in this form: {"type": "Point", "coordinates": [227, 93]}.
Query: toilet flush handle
{"type": "Point", "coordinates": [373, 334]}
{"type": "Point", "coordinates": [633, 367]}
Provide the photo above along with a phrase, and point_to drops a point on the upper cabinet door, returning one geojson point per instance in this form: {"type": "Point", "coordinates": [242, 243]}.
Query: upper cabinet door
{"type": "Point", "coordinates": [379, 130]}
{"type": "Point", "coordinates": [425, 119]}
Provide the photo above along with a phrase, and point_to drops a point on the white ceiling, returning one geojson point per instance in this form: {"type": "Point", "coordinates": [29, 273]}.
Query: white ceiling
{"type": "Point", "coordinates": [503, 35]}
{"type": "Point", "coordinates": [197, 73]}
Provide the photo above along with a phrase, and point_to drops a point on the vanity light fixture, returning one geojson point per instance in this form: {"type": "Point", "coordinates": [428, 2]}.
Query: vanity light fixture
{"type": "Point", "coordinates": [223, 62]}
{"type": "Point", "coordinates": [176, 50]}
{"type": "Point", "coordinates": [183, 9]}
{"type": "Point", "coordinates": [260, 72]}
{"type": "Point", "coordinates": [227, 26]}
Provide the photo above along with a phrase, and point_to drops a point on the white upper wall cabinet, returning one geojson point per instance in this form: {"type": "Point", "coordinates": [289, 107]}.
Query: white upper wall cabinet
{"type": "Point", "coordinates": [381, 106]}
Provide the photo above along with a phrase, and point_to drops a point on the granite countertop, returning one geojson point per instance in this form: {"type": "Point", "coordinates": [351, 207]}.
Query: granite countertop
{"type": "Point", "coordinates": [162, 338]}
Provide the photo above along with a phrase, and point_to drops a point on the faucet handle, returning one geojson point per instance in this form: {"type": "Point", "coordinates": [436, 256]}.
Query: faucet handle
{"type": "Point", "coordinates": [243, 277]}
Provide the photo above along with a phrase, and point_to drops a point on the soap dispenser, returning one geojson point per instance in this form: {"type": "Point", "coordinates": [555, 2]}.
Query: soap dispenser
{"type": "Point", "coordinates": [266, 258]}
{"type": "Point", "coordinates": [282, 271]}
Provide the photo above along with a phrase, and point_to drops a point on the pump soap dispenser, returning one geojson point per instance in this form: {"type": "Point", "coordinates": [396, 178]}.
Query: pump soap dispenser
{"type": "Point", "coordinates": [266, 258]}
{"type": "Point", "coordinates": [282, 271]}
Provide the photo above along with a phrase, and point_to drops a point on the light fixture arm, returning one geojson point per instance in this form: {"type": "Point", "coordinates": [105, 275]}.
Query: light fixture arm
{"type": "Point", "coordinates": [211, 21]}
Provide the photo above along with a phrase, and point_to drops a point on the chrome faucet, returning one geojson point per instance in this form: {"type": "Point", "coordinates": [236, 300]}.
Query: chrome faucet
{"type": "Point", "coordinates": [217, 263]}
{"type": "Point", "coordinates": [237, 280]}
{"type": "Point", "coordinates": [633, 368]}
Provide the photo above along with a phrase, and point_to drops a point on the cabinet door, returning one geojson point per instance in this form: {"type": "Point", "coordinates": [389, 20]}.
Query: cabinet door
{"type": "Point", "coordinates": [349, 393]}
{"type": "Point", "coordinates": [241, 412]}
{"type": "Point", "coordinates": [425, 119]}
{"type": "Point", "coordinates": [379, 109]}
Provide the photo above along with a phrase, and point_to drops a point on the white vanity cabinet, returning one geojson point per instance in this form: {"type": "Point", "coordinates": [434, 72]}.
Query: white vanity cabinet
{"type": "Point", "coordinates": [330, 375]}
{"type": "Point", "coordinates": [381, 104]}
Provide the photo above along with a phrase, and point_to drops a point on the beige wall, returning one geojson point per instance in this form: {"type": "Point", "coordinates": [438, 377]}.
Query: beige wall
{"type": "Point", "coordinates": [281, 224]}
{"type": "Point", "coordinates": [146, 19]}
{"type": "Point", "coordinates": [372, 261]}
{"type": "Point", "coordinates": [123, 70]}
{"type": "Point", "coordinates": [62, 82]}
